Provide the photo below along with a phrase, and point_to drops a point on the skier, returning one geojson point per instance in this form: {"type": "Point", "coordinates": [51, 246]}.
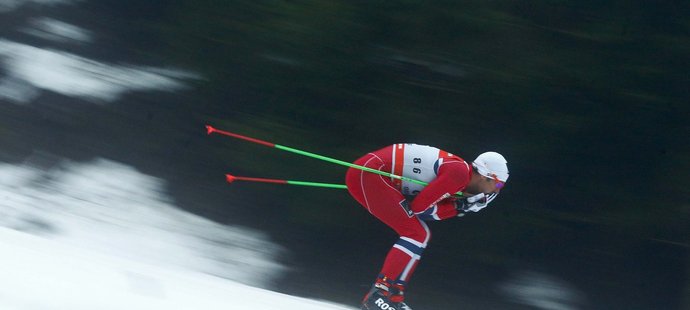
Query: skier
{"type": "Point", "coordinates": [404, 205]}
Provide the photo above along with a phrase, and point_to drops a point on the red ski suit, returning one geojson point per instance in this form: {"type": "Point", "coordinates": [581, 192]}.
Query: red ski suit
{"type": "Point", "coordinates": [384, 197]}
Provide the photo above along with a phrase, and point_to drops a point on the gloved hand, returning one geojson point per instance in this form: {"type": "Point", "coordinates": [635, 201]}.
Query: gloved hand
{"type": "Point", "coordinates": [474, 203]}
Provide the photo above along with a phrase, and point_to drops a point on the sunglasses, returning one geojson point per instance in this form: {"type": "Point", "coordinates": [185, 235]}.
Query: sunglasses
{"type": "Point", "coordinates": [499, 184]}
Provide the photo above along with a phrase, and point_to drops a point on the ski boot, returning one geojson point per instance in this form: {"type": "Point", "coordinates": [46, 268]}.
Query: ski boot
{"type": "Point", "coordinates": [385, 296]}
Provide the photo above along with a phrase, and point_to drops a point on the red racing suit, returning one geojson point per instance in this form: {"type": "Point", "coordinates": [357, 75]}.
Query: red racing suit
{"type": "Point", "coordinates": [385, 197]}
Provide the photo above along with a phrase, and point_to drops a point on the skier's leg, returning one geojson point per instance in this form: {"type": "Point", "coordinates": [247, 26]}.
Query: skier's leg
{"type": "Point", "coordinates": [405, 254]}
{"type": "Point", "coordinates": [377, 194]}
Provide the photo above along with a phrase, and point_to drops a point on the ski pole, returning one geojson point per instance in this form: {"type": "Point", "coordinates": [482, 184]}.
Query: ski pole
{"type": "Point", "coordinates": [232, 178]}
{"type": "Point", "coordinates": [210, 130]}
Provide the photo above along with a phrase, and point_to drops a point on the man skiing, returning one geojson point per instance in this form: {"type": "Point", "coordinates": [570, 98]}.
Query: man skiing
{"type": "Point", "coordinates": [404, 205]}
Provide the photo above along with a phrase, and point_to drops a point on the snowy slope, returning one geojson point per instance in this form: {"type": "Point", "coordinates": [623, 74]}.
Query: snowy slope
{"type": "Point", "coordinates": [39, 273]}
{"type": "Point", "coordinates": [102, 235]}
{"type": "Point", "coordinates": [111, 208]}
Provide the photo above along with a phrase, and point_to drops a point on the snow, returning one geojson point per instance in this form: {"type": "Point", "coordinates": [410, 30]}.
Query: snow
{"type": "Point", "coordinates": [55, 30]}
{"type": "Point", "coordinates": [42, 274]}
{"type": "Point", "coordinates": [542, 291]}
{"type": "Point", "coordinates": [102, 235]}
{"type": "Point", "coordinates": [31, 69]}
{"type": "Point", "coordinates": [114, 209]}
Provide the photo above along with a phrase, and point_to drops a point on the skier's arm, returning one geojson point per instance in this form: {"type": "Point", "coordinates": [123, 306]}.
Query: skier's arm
{"type": "Point", "coordinates": [444, 209]}
{"type": "Point", "coordinates": [435, 199]}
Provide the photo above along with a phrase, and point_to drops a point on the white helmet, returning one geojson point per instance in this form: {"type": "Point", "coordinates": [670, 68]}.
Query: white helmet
{"type": "Point", "coordinates": [492, 164]}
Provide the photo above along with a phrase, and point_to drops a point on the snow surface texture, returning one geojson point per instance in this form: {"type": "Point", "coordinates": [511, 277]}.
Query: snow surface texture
{"type": "Point", "coordinates": [113, 209]}
{"type": "Point", "coordinates": [102, 235]}
{"type": "Point", "coordinates": [40, 274]}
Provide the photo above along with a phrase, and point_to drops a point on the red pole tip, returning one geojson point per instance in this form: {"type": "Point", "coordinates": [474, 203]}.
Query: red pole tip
{"type": "Point", "coordinates": [230, 178]}
{"type": "Point", "coordinates": [209, 129]}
